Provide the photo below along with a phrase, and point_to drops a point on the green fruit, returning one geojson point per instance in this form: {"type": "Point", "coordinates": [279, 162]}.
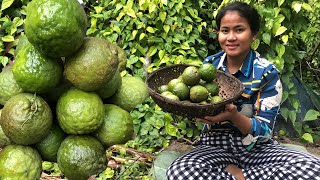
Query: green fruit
{"type": "Point", "coordinates": [213, 88]}
{"type": "Point", "coordinates": [93, 65]}
{"type": "Point", "coordinates": [165, 93]}
{"type": "Point", "coordinates": [216, 99]}
{"type": "Point", "coordinates": [23, 40]}
{"type": "Point", "coordinates": [35, 72]}
{"type": "Point", "coordinates": [181, 90]}
{"type": "Point", "coordinates": [173, 82]}
{"type": "Point", "coordinates": [117, 127]}
{"type": "Point", "coordinates": [208, 72]}
{"type": "Point", "coordinates": [20, 162]}
{"type": "Point", "coordinates": [8, 85]}
{"type": "Point", "coordinates": [56, 27]}
{"type": "Point", "coordinates": [4, 140]}
{"type": "Point", "coordinates": [163, 88]}
{"type": "Point", "coordinates": [111, 87]}
{"type": "Point", "coordinates": [26, 119]}
{"type": "Point", "coordinates": [80, 112]}
{"type": "Point", "coordinates": [198, 93]}
{"type": "Point", "coordinates": [80, 157]}
{"type": "Point", "coordinates": [133, 91]}
{"type": "Point", "coordinates": [122, 56]}
{"type": "Point", "coordinates": [191, 76]}
{"type": "Point", "coordinates": [172, 96]}
{"type": "Point", "coordinates": [48, 147]}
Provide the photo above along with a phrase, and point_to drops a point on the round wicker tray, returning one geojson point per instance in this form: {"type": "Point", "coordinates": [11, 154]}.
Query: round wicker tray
{"type": "Point", "coordinates": [230, 89]}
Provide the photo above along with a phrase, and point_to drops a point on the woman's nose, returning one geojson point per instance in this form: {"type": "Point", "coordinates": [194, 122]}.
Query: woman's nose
{"type": "Point", "coordinates": [231, 36]}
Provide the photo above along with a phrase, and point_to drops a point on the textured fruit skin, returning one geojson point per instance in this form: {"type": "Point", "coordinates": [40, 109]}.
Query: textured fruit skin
{"type": "Point", "coordinates": [181, 90]}
{"type": "Point", "coordinates": [4, 140]}
{"type": "Point", "coordinates": [48, 146]}
{"type": "Point", "coordinates": [26, 119]}
{"type": "Point", "coordinates": [80, 112]}
{"type": "Point", "coordinates": [8, 85]}
{"type": "Point", "coordinates": [79, 157]}
{"type": "Point", "coordinates": [117, 127]}
{"type": "Point", "coordinates": [198, 93]}
{"type": "Point", "coordinates": [111, 87]}
{"type": "Point", "coordinates": [191, 76]}
{"type": "Point", "coordinates": [133, 91]}
{"type": "Point", "coordinates": [20, 162]}
{"type": "Point", "coordinates": [208, 72]}
{"type": "Point", "coordinates": [122, 56]}
{"type": "Point", "coordinates": [56, 27]}
{"type": "Point", "coordinates": [35, 72]}
{"type": "Point", "coordinates": [93, 65]}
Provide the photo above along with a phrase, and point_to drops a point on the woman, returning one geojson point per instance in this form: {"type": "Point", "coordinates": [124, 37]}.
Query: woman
{"type": "Point", "coordinates": [237, 143]}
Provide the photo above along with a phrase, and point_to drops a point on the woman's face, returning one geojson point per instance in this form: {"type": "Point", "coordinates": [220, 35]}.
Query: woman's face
{"type": "Point", "coordinates": [235, 36]}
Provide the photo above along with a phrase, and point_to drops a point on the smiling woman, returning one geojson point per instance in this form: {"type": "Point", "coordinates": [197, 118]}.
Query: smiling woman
{"type": "Point", "coordinates": [237, 143]}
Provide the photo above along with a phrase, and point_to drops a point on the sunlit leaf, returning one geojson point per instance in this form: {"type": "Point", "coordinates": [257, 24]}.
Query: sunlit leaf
{"type": "Point", "coordinates": [280, 2]}
{"type": "Point", "coordinates": [150, 29]}
{"type": "Point", "coordinates": [152, 50]}
{"type": "Point", "coordinates": [162, 16]}
{"type": "Point", "coordinates": [285, 38]}
{"type": "Point", "coordinates": [166, 28]}
{"type": "Point", "coordinates": [131, 13]}
{"type": "Point", "coordinates": [306, 7]}
{"type": "Point", "coordinates": [255, 44]}
{"type": "Point", "coordinates": [142, 35]}
{"type": "Point", "coordinates": [6, 3]}
{"type": "Point", "coordinates": [7, 38]}
{"type": "Point", "coordinates": [161, 54]}
{"type": "Point", "coordinates": [311, 115]}
{"type": "Point", "coordinates": [280, 30]}
{"type": "Point", "coordinates": [296, 6]}
{"type": "Point", "coordinates": [307, 137]}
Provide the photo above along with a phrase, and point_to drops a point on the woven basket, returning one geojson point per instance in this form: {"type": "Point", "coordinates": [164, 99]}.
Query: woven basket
{"type": "Point", "coordinates": [230, 89]}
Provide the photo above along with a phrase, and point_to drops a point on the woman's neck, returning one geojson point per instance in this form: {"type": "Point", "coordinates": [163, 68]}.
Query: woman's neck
{"type": "Point", "coordinates": [234, 63]}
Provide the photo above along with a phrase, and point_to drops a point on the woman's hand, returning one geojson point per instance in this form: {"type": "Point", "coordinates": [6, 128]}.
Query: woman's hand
{"type": "Point", "coordinates": [229, 114]}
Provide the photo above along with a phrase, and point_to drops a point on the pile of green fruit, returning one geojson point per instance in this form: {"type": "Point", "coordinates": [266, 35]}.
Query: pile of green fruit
{"type": "Point", "coordinates": [195, 85]}
{"type": "Point", "coordinates": [64, 99]}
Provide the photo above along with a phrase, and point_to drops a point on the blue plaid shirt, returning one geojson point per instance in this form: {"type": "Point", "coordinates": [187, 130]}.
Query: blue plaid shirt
{"type": "Point", "coordinates": [261, 97]}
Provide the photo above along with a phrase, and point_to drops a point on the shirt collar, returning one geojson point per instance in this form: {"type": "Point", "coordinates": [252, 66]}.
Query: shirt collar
{"type": "Point", "coordinates": [246, 67]}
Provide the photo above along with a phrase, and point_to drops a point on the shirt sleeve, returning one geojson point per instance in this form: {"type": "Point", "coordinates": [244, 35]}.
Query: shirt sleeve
{"type": "Point", "coordinates": [267, 107]}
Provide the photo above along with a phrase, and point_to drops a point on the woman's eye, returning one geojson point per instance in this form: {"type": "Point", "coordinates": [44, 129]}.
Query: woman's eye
{"type": "Point", "coordinates": [224, 31]}
{"type": "Point", "coordinates": [239, 30]}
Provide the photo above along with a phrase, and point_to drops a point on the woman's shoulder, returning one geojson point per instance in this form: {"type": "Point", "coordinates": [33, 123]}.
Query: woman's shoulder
{"type": "Point", "coordinates": [265, 68]}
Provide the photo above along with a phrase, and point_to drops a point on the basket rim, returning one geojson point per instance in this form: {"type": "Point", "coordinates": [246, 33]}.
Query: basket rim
{"type": "Point", "coordinates": [188, 104]}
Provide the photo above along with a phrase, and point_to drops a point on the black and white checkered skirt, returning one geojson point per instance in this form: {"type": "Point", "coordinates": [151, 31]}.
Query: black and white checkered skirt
{"type": "Point", "coordinates": [266, 160]}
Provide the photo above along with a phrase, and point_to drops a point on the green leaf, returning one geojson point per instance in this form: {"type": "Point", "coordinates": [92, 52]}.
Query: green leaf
{"type": "Point", "coordinates": [187, 18]}
{"type": "Point", "coordinates": [285, 38]}
{"type": "Point", "coordinates": [133, 35]}
{"type": "Point", "coordinates": [280, 30]}
{"type": "Point", "coordinates": [285, 113]}
{"type": "Point", "coordinates": [142, 35]}
{"type": "Point", "coordinates": [171, 130]}
{"type": "Point", "coordinates": [255, 44]}
{"type": "Point", "coordinates": [307, 137]}
{"type": "Point", "coordinates": [6, 3]}
{"type": "Point", "coordinates": [8, 38]}
{"type": "Point", "coordinates": [131, 13]}
{"type": "Point", "coordinates": [162, 16]}
{"type": "Point", "coordinates": [266, 38]}
{"type": "Point", "coordinates": [161, 54]}
{"type": "Point", "coordinates": [165, 2]}
{"type": "Point", "coordinates": [280, 49]}
{"type": "Point", "coordinates": [280, 2]}
{"type": "Point", "coordinates": [311, 115]}
{"type": "Point", "coordinates": [152, 50]}
{"type": "Point", "coordinates": [152, 7]}
{"type": "Point", "coordinates": [292, 116]}
{"type": "Point", "coordinates": [296, 5]}
{"type": "Point", "coordinates": [307, 7]}
{"type": "Point", "coordinates": [150, 29]}
{"type": "Point", "coordinates": [166, 28]}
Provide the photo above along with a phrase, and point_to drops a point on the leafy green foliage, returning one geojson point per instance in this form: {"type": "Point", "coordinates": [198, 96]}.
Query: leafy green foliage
{"type": "Point", "coordinates": [12, 16]}
{"type": "Point", "coordinates": [153, 33]}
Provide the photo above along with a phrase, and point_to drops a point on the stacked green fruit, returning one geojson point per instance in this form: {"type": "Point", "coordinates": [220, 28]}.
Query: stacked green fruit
{"type": "Point", "coordinates": [65, 98]}
{"type": "Point", "coordinates": [195, 85]}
